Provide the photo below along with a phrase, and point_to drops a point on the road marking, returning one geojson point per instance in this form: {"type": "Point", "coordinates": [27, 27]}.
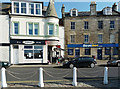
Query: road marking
{"type": "Point", "coordinates": [35, 81]}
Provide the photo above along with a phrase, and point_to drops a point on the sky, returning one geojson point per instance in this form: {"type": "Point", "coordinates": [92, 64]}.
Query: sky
{"type": "Point", "coordinates": [78, 4]}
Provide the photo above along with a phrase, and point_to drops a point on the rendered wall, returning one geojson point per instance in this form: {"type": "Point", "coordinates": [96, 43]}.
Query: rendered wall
{"type": "Point", "coordinates": [4, 37]}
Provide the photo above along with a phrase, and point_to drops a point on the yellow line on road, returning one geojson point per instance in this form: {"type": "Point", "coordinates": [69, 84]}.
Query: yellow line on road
{"type": "Point", "coordinates": [35, 81]}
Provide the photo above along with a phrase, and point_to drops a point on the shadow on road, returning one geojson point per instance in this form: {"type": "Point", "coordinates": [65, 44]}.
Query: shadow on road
{"type": "Point", "coordinates": [105, 65]}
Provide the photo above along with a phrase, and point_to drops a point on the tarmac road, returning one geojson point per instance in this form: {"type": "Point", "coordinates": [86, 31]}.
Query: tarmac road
{"type": "Point", "coordinates": [30, 75]}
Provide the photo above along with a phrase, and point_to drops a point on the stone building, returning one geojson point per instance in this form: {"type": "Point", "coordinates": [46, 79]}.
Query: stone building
{"type": "Point", "coordinates": [91, 33]}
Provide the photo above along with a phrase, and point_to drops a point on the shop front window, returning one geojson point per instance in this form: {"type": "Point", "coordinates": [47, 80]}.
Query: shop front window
{"type": "Point", "coordinates": [33, 52]}
{"type": "Point", "coordinates": [115, 50]}
{"type": "Point", "coordinates": [107, 51]}
{"type": "Point", "coordinates": [70, 51]}
{"type": "Point", "coordinates": [28, 54]}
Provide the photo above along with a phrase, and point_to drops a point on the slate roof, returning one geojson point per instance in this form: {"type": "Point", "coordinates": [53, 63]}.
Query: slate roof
{"type": "Point", "coordinates": [87, 13]}
{"type": "Point", "coordinates": [5, 8]}
{"type": "Point", "coordinates": [51, 11]}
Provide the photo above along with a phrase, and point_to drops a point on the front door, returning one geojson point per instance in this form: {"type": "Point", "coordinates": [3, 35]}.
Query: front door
{"type": "Point", "coordinates": [99, 54]}
{"type": "Point", "coordinates": [15, 54]}
{"type": "Point", "coordinates": [77, 52]}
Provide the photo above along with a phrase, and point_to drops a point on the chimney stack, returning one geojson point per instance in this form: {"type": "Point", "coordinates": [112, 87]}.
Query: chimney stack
{"type": "Point", "coordinates": [93, 8]}
{"type": "Point", "coordinates": [114, 7]}
{"type": "Point", "coordinates": [63, 10]}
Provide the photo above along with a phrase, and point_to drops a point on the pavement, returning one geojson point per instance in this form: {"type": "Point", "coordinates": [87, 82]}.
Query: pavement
{"type": "Point", "coordinates": [99, 62]}
{"type": "Point", "coordinates": [64, 84]}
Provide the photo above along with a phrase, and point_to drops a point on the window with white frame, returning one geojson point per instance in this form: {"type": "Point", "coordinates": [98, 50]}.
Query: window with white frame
{"type": "Point", "coordinates": [23, 8]}
{"type": "Point", "coordinates": [50, 29]}
{"type": "Point", "coordinates": [38, 9]}
{"type": "Point", "coordinates": [16, 28]}
{"type": "Point", "coordinates": [36, 28]}
{"type": "Point", "coordinates": [16, 7]}
{"type": "Point", "coordinates": [73, 12]}
{"type": "Point", "coordinates": [100, 38]}
{"type": "Point", "coordinates": [33, 52]}
{"type": "Point", "coordinates": [26, 8]}
{"type": "Point", "coordinates": [33, 28]}
{"type": "Point", "coordinates": [72, 38]}
{"type": "Point", "coordinates": [30, 25]}
{"type": "Point", "coordinates": [86, 38]}
{"type": "Point", "coordinates": [56, 30]}
{"type": "Point", "coordinates": [31, 8]}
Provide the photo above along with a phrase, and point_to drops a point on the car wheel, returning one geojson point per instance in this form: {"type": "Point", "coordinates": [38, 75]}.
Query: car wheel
{"type": "Point", "coordinates": [92, 65]}
{"type": "Point", "coordinates": [71, 65]}
{"type": "Point", "coordinates": [118, 64]}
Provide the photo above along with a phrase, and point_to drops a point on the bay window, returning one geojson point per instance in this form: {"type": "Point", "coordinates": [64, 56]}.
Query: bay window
{"type": "Point", "coordinates": [51, 29]}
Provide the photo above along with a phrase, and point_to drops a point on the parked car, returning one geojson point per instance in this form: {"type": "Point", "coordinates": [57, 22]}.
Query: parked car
{"type": "Point", "coordinates": [81, 62]}
{"type": "Point", "coordinates": [113, 63]}
{"type": "Point", "coordinates": [4, 64]}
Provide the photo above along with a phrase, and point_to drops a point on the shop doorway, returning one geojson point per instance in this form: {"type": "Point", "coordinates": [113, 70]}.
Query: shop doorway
{"type": "Point", "coordinates": [99, 54]}
{"type": "Point", "coordinates": [77, 52]}
{"type": "Point", "coordinates": [50, 54]}
{"type": "Point", "coordinates": [15, 54]}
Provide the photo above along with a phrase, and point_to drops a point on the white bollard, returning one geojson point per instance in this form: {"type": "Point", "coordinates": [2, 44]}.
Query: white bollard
{"type": "Point", "coordinates": [74, 83]}
{"type": "Point", "coordinates": [3, 78]}
{"type": "Point", "coordinates": [105, 76]}
{"type": "Point", "coordinates": [41, 84]}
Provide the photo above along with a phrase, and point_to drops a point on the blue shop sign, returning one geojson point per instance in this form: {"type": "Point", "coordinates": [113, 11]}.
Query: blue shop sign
{"type": "Point", "coordinates": [91, 45]}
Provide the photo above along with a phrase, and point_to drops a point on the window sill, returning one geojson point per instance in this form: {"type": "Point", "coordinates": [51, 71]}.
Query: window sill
{"type": "Point", "coordinates": [112, 28]}
{"type": "Point", "coordinates": [34, 59]}
{"type": "Point", "coordinates": [26, 14]}
{"type": "Point", "coordinates": [99, 29]}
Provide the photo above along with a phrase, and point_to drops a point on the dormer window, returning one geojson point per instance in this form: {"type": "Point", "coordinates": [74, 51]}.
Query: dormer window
{"type": "Point", "coordinates": [38, 9]}
{"type": "Point", "coordinates": [23, 8]}
{"type": "Point", "coordinates": [31, 8]}
{"type": "Point", "coordinates": [16, 7]}
{"type": "Point", "coordinates": [107, 11]}
{"type": "Point", "coordinates": [74, 12]}
{"type": "Point", "coordinates": [26, 8]}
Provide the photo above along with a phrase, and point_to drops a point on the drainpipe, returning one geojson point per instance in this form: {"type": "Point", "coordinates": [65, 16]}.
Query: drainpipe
{"type": "Point", "coordinates": [9, 39]}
